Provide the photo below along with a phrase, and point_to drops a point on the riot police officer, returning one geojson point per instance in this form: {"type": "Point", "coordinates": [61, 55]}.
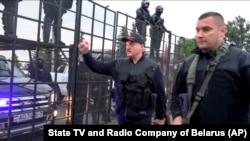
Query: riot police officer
{"type": "Point", "coordinates": [53, 14]}
{"type": "Point", "coordinates": [143, 18]}
{"type": "Point", "coordinates": [37, 71]}
{"type": "Point", "coordinates": [8, 17]}
{"type": "Point", "coordinates": [156, 32]}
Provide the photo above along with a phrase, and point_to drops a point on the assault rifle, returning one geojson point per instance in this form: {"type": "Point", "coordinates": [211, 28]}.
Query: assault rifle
{"type": "Point", "coordinates": [147, 22]}
{"type": "Point", "coordinates": [160, 25]}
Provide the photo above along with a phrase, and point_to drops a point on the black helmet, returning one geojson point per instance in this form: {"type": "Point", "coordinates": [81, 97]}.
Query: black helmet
{"type": "Point", "coordinates": [159, 9]}
{"type": "Point", "coordinates": [143, 2]}
{"type": "Point", "coordinates": [40, 59]}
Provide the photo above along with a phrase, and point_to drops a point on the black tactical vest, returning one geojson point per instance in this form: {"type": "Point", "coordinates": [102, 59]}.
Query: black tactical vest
{"type": "Point", "coordinates": [136, 91]}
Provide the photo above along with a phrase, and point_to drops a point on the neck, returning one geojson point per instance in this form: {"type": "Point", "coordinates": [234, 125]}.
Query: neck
{"type": "Point", "coordinates": [214, 48]}
{"type": "Point", "coordinates": [135, 59]}
{"type": "Point", "coordinates": [208, 50]}
{"type": "Point", "coordinates": [218, 46]}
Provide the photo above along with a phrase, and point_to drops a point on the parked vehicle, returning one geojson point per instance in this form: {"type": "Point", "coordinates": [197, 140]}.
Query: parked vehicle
{"type": "Point", "coordinates": [25, 106]}
{"type": "Point", "coordinates": [63, 71]}
{"type": "Point", "coordinates": [61, 80]}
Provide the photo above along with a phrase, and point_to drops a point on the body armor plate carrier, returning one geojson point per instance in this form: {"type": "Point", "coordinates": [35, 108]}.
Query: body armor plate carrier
{"type": "Point", "coordinates": [135, 90]}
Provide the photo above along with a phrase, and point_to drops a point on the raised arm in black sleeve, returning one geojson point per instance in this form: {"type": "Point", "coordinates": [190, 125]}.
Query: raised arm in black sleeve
{"type": "Point", "coordinates": [99, 67]}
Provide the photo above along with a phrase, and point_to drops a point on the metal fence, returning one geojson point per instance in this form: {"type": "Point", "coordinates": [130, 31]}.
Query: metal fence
{"type": "Point", "coordinates": [76, 95]}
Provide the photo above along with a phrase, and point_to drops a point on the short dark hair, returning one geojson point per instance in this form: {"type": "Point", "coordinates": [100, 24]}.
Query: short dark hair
{"type": "Point", "coordinates": [218, 17]}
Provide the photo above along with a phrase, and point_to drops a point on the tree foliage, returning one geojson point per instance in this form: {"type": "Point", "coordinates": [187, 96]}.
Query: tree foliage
{"type": "Point", "coordinates": [189, 47]}
{"type": "Point", "coordinates": [239, 32]}
{"type": "Point", "coordinates": [120, 48]}
{"type": "Point", "coordinates": [179, 50]}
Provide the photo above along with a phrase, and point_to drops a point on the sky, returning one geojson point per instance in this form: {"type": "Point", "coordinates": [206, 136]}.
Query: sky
{"type": "Point", "coordinates": [180, 16]}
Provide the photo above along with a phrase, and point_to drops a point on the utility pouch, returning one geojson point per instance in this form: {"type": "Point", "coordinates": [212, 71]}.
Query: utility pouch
{"type": "Point", "coordinates": [146, 99]}
{"type": "Point", "coordinates": [120, 88]}
{"type": "Point", "coordinates": [128, 98]}
{"type": "Point", "coordinates": [120, 92]}
{"type": "Point", "coordinates": [123, 77]}
{"type": "Point", "coordinates": [141, 81]}
{"type": "Point", "coordinates": [136, 103]}
{"type": "Point", "coordinates": [143, 99]}
{"type": "Point", "coordinates": [153, 99]}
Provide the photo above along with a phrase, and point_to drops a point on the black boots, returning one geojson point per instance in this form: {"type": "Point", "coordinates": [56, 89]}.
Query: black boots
{"type": "Point", "coordinates": [9, 22]}
{"type": "Point", "coordinates": [57, 35]}
{"type": "Point", "coordinates": [47, 29]}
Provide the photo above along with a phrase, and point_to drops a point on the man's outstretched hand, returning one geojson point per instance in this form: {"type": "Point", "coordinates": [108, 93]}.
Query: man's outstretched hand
{"type": "Point", "coordinates": [83, 47]}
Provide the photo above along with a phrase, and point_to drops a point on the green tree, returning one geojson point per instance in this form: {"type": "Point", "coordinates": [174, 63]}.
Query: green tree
{"type": "Point", "coordinates": [239, 32]}
{"type": "Point", "coordinates": [189, 47]}
{"type": "Point", "coordinates": [179, 50]}
{"type": "Point", "coordinates": [120, 48]}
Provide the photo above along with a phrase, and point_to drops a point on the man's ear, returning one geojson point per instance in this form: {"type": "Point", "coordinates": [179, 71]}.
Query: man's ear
{"type": "Point", "coordinates": [224, 31]}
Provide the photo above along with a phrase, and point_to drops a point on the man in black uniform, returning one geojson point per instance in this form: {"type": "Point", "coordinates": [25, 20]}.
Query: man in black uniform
{"type": "Point", "coordinates": [42, 74]}
{"type": "Point", "coordinates": [143, 18]}
{"type": "Point", "coordinates": [8, 18]}
{"type": "Point", "coordinates": [216, 78]}
{"type": "Point", "coordinates": [156, 32]}
{"type": "Point", "coordinates": [139, 86]}
{"type": "Point", "coordinates": [52, 14]}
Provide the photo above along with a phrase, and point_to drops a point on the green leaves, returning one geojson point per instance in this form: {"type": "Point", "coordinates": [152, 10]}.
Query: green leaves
{"type": "Point", "coordinates": [120, 48]}
{"type": "Point", "coordinates": [239, 32]}
{"type": "Point", "coordinates": [189, 46]}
